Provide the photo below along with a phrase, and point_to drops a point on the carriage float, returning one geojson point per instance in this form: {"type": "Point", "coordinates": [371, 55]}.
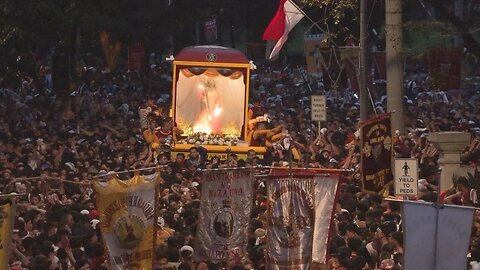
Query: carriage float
{"type": "Point", "coordinates": [210, 100]}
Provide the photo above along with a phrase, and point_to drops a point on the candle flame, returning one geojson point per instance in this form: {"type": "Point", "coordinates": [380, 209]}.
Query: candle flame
{"type": "Point", "coordinates": [203, 127]}
{"type": "Point", "coordinates": [217, 111]}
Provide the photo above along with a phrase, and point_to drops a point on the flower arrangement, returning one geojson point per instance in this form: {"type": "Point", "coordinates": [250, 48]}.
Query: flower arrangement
{"type": "Point", "coordinates": [210, 139]}
{"type": "Point", "coordinates": [228, 135]}
{"type": "Point", "coordinates": [187, 129]}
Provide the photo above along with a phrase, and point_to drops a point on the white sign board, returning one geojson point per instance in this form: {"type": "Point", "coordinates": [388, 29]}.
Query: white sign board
{"type": "Point", "coordinates": [406, 177]}
{"type": "Point", "coordinates": [319, 108]}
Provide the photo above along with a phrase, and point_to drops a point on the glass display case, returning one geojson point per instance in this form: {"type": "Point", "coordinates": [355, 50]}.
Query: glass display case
{"type": "Point", "coordinates": [210, 97]}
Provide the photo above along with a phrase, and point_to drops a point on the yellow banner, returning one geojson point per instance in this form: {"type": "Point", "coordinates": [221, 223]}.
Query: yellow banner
{"type": "Point", "coordinates": [111, 50]}
{"type": "Point", "coordinates": [7, 213]}
{"type": "Point", "coordinates": [127, 220]}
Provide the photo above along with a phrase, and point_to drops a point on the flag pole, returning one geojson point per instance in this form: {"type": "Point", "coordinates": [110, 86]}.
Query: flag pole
{"type": "Point", "coordinates": [279, 168]}
{"type": "Point", "coordinates": [306, 16]}
{"type": "Point", "coordinates": [363, 60]}
{"type": "Point", "coordinates": [155, 222]}
{"type": "Point", "coordinates": [12, 195]}
{"type": "Point", "coordinates": [438, 206]}
{"type": "Point", "coordinates": [312, 21]}
{"type": "Point", "coordinates": [129, 171]}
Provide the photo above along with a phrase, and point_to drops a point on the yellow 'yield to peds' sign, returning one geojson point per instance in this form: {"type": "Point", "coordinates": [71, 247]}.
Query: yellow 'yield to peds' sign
{"type": "Point", "coordinates": [406, 177]}
{"type": "Point", "coordinates": [319, 108]}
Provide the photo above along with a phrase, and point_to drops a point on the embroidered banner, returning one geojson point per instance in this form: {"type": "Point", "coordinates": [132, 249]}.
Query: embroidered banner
{"type": "Point", "coordinates": [376, 164]}
{"type": "Point", "coordinates": [299, 214]}
{"type": "Point", "coordinates": [224, 214]}
{"type": "Point", "coordinates": [7, 214]}
{"type": "Point", "coordinates": [127, 219]}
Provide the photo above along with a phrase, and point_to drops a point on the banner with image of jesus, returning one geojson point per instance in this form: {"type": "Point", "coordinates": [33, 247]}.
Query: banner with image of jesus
{"type": "Point", "coordinates": [127, 220]}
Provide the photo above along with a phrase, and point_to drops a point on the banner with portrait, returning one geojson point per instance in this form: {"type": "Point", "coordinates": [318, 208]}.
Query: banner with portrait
{"type": "Point", "coordinates": [314, 47]}
{"type": "Point", "coordinates": [299, 212]}
{"type": "Point", "coordinates": [7, 214]}
{"type": "Point", "coordinates": [226, 203]}
{"type": "Point", "coordinates": [377, 153]}
{"type": "Point", "coordinates": [127, 220]}
{"type": "Point", "coordinates": [350, 57]}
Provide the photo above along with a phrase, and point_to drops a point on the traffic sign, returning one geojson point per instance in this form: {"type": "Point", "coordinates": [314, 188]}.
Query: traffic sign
{"type": "Point", "coordinates": [319, 108]}
{"type": "Point", "coordinates": [406, 177]}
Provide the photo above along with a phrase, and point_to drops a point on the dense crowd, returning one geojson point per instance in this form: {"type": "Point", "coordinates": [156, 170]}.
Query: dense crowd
{"type": "Point", "coordinates": [52, 147]}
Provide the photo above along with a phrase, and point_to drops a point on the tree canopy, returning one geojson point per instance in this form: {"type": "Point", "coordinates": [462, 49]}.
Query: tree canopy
{"type": "Point", "coordinates": [340, 14]}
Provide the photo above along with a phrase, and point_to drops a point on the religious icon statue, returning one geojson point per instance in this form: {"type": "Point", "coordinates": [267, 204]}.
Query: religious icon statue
{"type": "Point", "coordinates": [208, 120]}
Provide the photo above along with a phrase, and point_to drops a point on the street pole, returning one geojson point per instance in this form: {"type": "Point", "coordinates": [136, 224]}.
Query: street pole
{"type": "Point", "coordinates": [232, 23]}
{"type": "Point", "coordinates": [394, 62]}
{"type": "Point", "coordinates": [458, 9]}
{"type": "Point", "coordinates": [363, 60]}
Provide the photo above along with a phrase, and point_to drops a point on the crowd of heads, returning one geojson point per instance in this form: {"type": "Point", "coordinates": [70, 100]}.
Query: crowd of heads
{"type": "Point", "coordinates": [54, 145]}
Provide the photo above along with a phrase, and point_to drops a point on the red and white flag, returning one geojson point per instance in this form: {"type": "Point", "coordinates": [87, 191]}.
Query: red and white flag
{"type": "Point", "coordinates": [287, 16]}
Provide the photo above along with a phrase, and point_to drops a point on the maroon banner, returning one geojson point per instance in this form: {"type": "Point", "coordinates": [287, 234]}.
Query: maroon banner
{"type": "Point", "coordinates": [136, 57]}
{"type": "Point", "coordinates": [210, 30]}
{"type": "Point", "coordinates": [445, 67]}
{"type": "Point", "coordinates": [376, 163]}
{"type": "Point", "coordinates": [380, 65]}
